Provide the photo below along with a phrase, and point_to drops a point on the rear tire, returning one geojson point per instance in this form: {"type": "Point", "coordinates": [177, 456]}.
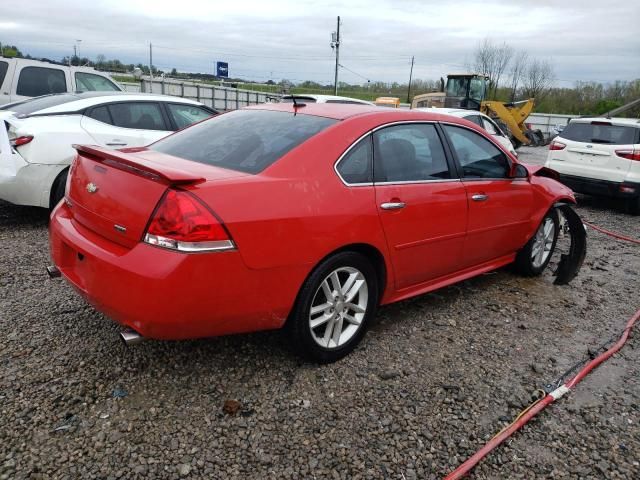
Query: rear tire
{"type": "Point", "coordinates": [58, 188]}
{"type": "Point", "coordinates": [334, 307]}
{"type": "Point", "coordinates": [534, 257]}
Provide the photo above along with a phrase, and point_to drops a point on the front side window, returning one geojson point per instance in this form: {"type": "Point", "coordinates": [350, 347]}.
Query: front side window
{"type": "Point", "coordinates": [185, 115]}
{"type": "Point", "coordinates": [409, 153]}
{"type": "Point", "coordinates": [36, 81]}
{"type": "Point", "coordinates": [89, 82]}
{"type": "Point", "coordinates": [138, 115]}
{"type": "Point", "coordinates": [356, 165]}
{"type": "Point", "coordinates": [478, 157]}
{"type": "Point", "coordinates": [244, 140]}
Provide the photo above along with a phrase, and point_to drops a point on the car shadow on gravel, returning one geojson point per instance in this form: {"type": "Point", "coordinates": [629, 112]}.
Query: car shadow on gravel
{"type": "Point", "coordinates": [17, 216]}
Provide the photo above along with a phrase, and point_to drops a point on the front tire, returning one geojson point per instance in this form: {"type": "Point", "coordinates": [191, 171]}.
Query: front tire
{"type": "Point", "coordinates": [334, 307]}
{"type": "Point", "coordinates": [534, 257]}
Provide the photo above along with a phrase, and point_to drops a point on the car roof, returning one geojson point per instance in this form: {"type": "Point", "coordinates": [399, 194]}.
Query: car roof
{"type": "Point", "coordinates": [456, 112]}
{"type": "Point", "coordinates": [632, 122]}
{"type": "Point", "coordinates": [342, 111]}
{"type": "Point", "coordinates": [88, 99]}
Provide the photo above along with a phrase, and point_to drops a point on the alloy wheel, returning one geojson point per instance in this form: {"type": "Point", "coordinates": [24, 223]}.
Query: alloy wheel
{"type": "Point", "coordinates": [338, 307]}
{"type": "Point", "coordinates": [543, 243]}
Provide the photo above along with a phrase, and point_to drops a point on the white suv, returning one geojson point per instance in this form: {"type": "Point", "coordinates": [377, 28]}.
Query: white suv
{"type": "Point", "coordinates": [600, 156]}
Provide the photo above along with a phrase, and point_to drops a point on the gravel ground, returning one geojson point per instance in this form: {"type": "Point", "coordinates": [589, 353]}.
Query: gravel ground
{"type": "Point", "coordinates": [435, 378]}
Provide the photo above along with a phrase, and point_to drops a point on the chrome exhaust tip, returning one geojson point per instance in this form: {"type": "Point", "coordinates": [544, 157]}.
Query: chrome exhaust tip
{"type": "Point", "coordinates": [53, 272]}
{"type": "Point", "coordinates": [131, 337]}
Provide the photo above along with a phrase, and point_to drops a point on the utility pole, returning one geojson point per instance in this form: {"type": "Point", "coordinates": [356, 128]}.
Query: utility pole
{"type": "Point", "coordinates": [151, 60]}
{"type": "Point", "coordinates": [410, 77]}
{"type": "Point", "coordinates": [335, 42]}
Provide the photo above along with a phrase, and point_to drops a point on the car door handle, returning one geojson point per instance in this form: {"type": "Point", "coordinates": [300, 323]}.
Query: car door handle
{"type": "Point", "coordinates": [116, 144]}
{"type": "Point", "coordinates": [392, 205]}
{"type": "Point", "coordinates": [479, 197]}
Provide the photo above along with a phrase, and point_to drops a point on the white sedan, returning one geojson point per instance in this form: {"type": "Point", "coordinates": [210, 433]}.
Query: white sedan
{"type": "Point", "coordinates": [481, 120]}
{"type": "Point", "coordinates": [36, 135]}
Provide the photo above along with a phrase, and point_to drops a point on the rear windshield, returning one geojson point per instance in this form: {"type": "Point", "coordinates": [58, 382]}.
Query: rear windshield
{"type": "Point", "coordinates": [244, 140]}
{"type": "Point", "coordinates": [600, 133]}
{"type": "Point", "coordinates": [27, 107]}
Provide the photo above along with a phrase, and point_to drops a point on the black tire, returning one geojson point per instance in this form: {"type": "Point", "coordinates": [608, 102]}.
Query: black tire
{"type": "Point", "coordinates": [524, 263]}
{"type": "Point", "coordinates": [57, 190]}
{"type": "Point", "coordinates": [302, 337]}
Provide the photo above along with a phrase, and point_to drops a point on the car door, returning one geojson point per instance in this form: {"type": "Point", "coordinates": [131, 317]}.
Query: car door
{"type": "Point", "coordinates": [499, 207]}
{"type": "Point", "coordinates": [421, 203]}
{"type": "Point", "coordinates": [126, 124]}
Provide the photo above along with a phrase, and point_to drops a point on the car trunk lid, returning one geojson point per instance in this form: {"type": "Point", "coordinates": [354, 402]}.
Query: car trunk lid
{"type": "Point", "coordinates": [114, 193]}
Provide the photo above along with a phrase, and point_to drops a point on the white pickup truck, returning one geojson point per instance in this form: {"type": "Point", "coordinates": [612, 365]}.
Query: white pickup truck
{"type": "Point", "coordinates": [21, 79]}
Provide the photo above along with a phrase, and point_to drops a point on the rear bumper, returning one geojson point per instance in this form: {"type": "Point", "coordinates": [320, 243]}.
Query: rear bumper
{"type": "Point", "coordinates": [168, 295]}
{"type": "Point", "coordinates": [603, 188]}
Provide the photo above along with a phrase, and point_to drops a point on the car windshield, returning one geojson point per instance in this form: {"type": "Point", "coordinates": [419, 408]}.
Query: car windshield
{"type": "Point", "coordinates": [244, 140]}
{"type": "Point", "coordinates": [27, 107]}
{"type": "Point", "coordinates": [600, 132]}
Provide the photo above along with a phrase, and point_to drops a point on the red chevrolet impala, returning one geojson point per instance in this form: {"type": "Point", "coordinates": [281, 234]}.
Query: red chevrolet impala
{"type": "Point", "coordinates": [308, 216]}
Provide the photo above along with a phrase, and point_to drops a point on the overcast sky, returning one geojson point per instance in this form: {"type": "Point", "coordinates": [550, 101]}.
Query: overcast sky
{"type": "Point", "coordinates": [590, 40]}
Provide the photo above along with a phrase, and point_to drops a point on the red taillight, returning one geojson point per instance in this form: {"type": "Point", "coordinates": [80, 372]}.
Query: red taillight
{"type": "Point", "coordinates": [629, 154]}
{"type": "Point", "coordinates": [18, 141]}
{"type": "Point", "coordinates": [557, 146]}
{"type": "Point", "coordinates": [181, 222]}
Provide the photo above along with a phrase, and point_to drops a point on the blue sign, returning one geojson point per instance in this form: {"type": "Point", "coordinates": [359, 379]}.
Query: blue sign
{"type": "Point", "coordinates": [222, 69]}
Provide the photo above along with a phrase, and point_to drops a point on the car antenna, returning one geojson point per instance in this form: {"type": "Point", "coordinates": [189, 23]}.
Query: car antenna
{"type": "Point", "coordinates": [296, 105]}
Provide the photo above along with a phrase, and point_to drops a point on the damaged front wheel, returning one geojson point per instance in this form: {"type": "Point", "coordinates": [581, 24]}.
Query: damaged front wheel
{"type": "Point", "coordinates": [534, 257]}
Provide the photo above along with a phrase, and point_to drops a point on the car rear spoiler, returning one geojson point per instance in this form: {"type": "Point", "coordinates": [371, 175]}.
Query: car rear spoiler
{"type": "Point", "coordinates": [137, 165]}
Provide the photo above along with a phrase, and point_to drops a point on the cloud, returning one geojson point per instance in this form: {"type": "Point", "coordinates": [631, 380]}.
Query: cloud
{"type": "Point", "coordinates": [591, 40]}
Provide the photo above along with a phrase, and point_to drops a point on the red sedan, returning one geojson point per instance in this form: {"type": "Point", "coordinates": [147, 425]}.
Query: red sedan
{"type": "Point", "coordinates": [308, 216]}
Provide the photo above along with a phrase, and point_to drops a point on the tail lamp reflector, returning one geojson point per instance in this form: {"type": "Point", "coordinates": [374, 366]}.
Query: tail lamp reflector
{"type": "Point", "coordinates": [557, 146]}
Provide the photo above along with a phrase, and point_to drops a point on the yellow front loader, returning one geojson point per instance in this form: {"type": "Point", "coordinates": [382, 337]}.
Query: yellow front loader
{"type": "Point", "coordinates": [468, 91]}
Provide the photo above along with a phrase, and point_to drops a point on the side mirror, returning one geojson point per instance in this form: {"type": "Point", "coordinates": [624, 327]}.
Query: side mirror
{"type": "Point", "coordinates": [518, 171]}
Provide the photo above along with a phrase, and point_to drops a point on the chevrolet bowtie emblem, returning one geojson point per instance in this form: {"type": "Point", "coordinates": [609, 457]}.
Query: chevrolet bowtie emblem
{"type": "Point", "coordinates": [92, 187]}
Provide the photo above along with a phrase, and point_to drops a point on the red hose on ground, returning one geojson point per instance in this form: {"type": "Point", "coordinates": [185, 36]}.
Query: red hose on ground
{"type": "Point", "coordinates": [612, 234]}
{"type": "Point", "coordinates": [541, 404]}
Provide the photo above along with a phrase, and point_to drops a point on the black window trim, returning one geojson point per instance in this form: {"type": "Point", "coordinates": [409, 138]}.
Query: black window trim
{"type": "Point", "coordinates": [457, 162]}
{"type": "Point", "coordinates": [453, 167]}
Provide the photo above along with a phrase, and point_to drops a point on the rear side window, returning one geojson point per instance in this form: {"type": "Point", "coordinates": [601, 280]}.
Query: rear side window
{"type": "Point", "coordinates": [244, 140]}
{"type": "Point", "coordinates": [356, 165]}
{"type": "Point", "coordinates": [489, 126]}
{"type": "Point", "coordinates": [409, 153]}
{"type": "Point", "coordinates": [138, 115]}
{"type": "Point", "coordinates": [475, 119]}
{"type": "Point", "coordinates": [600, 133]}
{"type": "Point", "coordinates": [101, 114]}
{"type": "Point", "coordinates": [36, 81]}
{"type": "Point", "coordinates": [89, 82]}
{"type": "Point", "coordinates": [3, 71]}
{"type": "Point", "coordinates": [185, 115]}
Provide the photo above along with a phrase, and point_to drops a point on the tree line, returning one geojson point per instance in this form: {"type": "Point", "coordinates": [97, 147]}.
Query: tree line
{"type": "Point", "coordinates": [513, 75]}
